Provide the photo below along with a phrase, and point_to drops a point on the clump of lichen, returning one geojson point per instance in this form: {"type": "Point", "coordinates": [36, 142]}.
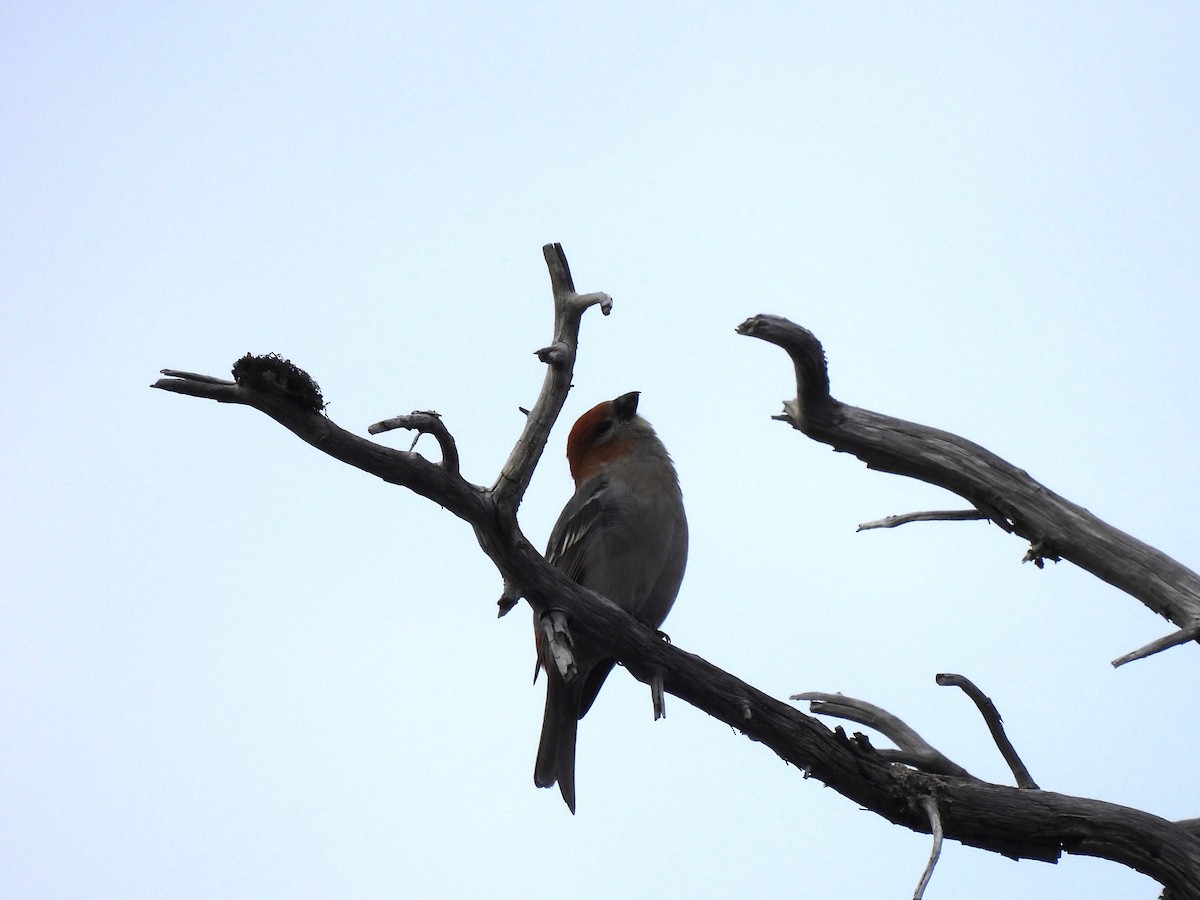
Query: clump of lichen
{"type": "Point", "coordinates": [279, 376]}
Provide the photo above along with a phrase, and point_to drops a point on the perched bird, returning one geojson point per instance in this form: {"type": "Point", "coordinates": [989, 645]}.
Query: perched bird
{"type": "Point", "coordinates": [623, 535]}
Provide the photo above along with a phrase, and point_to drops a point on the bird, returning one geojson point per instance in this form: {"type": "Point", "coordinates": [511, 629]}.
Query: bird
{"type": "Point", "coordinates": [624, 535]}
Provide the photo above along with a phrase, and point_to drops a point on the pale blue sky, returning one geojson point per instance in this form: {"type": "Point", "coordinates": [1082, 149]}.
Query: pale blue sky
{"type": "Point", "coordinates": [232, 667]}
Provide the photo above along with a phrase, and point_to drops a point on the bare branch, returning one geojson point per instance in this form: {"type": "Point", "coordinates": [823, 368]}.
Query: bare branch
{"type": "Point", "coordinates": [194, 385]}
{"type": "Point", "coordinates": [935, 824]}
{"type": "Point", "coordinates": [937, 515]}
{"type": "Point", "coordinates": [1174, 639]}
{"type": "Point", "coordinates": [424, 422]}
{"type": "Point", "coordinates": [192, 376]}
{"type": "Point", "coordinates": [1015, 822]}
{"type": "Point", "coordinates": [410, 470]}
{"type": "Point", "coordinates": [1055, 527]}
{"type": "Point", "coordinates": [560, 359]}
{"type": "Point", "coordinates": [995, 725]}
{"type": "Point", "coordinates": [914, 750]}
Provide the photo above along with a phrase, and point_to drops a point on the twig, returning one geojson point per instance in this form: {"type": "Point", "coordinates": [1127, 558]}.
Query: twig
{"type": "Point", "coordinates": [914, 750]}
{"type": "Point", "coordinates": [995, 725]}
{"type": "Point", "coordinates": [193, 376]}
{"type": "Point", "coordinates": [424, 422]}
{"type": "Point", "coordinates": [1182, 636]}
{"type": "Point", "coordinates": [938, 515]}
{"type": "Point", "coordinates": [935, 827]}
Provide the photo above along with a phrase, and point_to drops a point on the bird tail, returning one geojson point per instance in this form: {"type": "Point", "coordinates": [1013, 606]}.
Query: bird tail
{"type": "Point", "coordinates": [556, 749]}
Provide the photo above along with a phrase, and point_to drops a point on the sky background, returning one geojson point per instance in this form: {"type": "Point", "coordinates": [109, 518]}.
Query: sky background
{"type": "Point", "coordinates": [232, 667]}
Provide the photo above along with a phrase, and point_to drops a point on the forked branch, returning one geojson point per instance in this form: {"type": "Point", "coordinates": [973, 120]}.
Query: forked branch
{"type": "Point", "coordinates": [559, 357]}
{"type": "Point", "coordinates": [1017, 823]}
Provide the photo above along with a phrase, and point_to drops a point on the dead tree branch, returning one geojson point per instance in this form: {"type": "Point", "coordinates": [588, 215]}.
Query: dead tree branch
{"type": "Point", "coordinates": [935, 824]}
{"type": "Point", "coordinates": [424, 422]}
{"type": "Point", "coordinates": [936, 515]}
{"type": "Point", "coordinates": [913, 750]}
{"type": "Point", "coordinates": [995, 725]}
{"type": "Point", "coordinates": [559, 357]}
{"type": "Point", "coordinates": [1055, 527]}
{"type": "Point", "coordinates": [1018, 823]}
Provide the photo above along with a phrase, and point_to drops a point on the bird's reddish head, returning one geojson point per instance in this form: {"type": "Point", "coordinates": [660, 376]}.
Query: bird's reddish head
{"type": "Point", "coordinates": [598, 436]}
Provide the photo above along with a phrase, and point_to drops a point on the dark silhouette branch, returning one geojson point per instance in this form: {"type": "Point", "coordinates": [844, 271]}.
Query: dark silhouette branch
{"type": "Point", "coordinates": [1055, 527]}
{"type": "Point", "coordinates": [1027, 824]}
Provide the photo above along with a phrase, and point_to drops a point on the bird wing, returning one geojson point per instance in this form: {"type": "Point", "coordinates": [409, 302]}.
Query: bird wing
{"type": "Point", "coordinates": [582, 520]}
{"type": "Point", "coordinates": [566, 549]}
{"type": "Point", "coordinates": [583, 515]}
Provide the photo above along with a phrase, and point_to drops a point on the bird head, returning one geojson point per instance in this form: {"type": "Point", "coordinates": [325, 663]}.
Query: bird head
{"type": "Point", "coordinates": [608, 431]}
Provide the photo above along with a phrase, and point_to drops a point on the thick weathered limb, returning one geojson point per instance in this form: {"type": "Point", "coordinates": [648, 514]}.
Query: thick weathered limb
{"type": "Point", "coordinates": [1055, 527]}
{"type": "Point", "coordinates": [1017, 823]}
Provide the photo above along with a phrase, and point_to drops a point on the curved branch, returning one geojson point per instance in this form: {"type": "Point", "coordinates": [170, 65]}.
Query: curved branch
{"type": "Point", "coordinates": [914, 750]}
{"type": "Point", "coordinates": [935, 823]}
{"type": "Point", "coordinates": [1055, 527]}
{"type": "Point", "coordinates": [995, 725]}
{"type": "Point", "coordinates": [424, 422]}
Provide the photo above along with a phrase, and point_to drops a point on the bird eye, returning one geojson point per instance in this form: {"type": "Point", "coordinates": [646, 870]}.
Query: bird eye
{"type": "Point", "coordinates": [604, 427]}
